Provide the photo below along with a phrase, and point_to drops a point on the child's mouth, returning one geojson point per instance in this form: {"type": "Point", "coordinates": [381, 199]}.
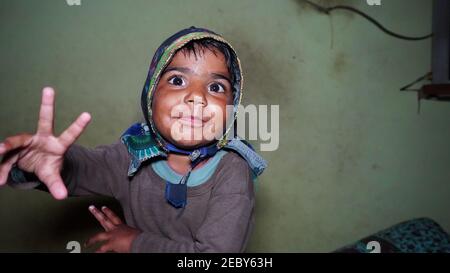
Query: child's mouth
{"type": "Point", "coordinates": [192, 121]}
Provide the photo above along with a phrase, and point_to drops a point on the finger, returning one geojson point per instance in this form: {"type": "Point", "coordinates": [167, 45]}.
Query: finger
{"type": "Point", "coordinates": [105, 248]}
{"type": "Point", "coordinates": [14, 142]}
{"type": "Point", "coordinates": [112, 216]}
{"type": "Point", "coordinates": [45, 123]}
{"type": "Point", "coordinates": [55, 185]}
{"type": "Point", "coordinates": [99, 237]}
{"type": "Point", "coordinates": [104, 221]}
{"type": "Point", "coordinates": [5, 168]}
{"type": "Point", "coordinates": [75, 129]}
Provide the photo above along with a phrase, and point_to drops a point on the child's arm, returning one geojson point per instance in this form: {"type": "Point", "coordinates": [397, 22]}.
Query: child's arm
{"type": "Point", "coordinates": [228, 222]}
{"type": "Point", "coordinates": [85, 171]}
{"type": "Point", "coordinates": [100, 170]}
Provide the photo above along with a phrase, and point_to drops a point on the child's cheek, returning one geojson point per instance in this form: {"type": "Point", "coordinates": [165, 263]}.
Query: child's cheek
{"type": "Point", "coordinates": [215, 127]}
{"type": "Point", "coordinates": [161, 111]}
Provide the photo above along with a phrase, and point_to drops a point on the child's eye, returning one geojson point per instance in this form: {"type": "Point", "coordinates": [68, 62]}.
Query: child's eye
{"type": "Point", "coordinates": [176, 80]}
{"type": "Point", "coordinates": [215, 87]}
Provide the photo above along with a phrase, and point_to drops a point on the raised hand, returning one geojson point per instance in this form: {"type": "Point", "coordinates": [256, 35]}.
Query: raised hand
{"type": "Point", "coordinates": [42, 153]}
{"type": "Point", "coordinates": [117, 237]}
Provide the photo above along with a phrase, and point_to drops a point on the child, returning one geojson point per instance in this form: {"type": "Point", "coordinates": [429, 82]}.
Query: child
{"type": "Point", "coordinates": [185, 184]}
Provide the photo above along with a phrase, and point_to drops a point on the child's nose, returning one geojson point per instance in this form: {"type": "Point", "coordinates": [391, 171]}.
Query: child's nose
{"type": "Point", "coordinates": [195, 96]}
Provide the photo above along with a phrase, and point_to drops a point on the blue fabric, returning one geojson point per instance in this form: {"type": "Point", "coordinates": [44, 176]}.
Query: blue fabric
{"type": "Point", "coordinates": [176, 194]}
{"type": "Point", "coordinates": [141, 147]}
{"type": "Point", "coordinates": [197, 177]}
{"type": "Point", "coordinates": [256, 162]}
{"type": "Point", "coordinates": [421, 235]}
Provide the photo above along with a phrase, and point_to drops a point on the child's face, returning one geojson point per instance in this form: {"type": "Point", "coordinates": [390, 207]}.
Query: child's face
{"type": "Point", "coordinates": [189, 105]}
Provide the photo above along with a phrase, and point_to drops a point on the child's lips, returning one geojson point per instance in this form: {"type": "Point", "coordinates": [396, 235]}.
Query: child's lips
{"type": "Point", "coordinates": [193, 121]}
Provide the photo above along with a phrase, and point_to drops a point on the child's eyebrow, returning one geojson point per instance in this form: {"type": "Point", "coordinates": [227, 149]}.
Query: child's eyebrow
{"type": "Point", "coordinates": [221, 77]}
{"type": "Point", "coordinates": [187, 70]}
{"type": "Point", "coordinates": [180, 69]}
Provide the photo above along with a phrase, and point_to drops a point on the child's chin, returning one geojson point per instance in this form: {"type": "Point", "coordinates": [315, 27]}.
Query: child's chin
{"type": "Point", "coordinates": [192, 144]}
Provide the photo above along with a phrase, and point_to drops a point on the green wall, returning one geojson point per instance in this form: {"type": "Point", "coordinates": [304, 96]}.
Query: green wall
{"type": "Point", "coordinates": [354, 155]}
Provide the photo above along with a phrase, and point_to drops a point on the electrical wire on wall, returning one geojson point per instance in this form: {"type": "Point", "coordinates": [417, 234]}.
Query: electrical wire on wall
{"type": "Point", "coordinates": [327, 11]}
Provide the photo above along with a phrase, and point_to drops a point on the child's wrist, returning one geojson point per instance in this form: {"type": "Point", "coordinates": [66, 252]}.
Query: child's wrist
{"type": "Point", "coordinates": [19, 176]}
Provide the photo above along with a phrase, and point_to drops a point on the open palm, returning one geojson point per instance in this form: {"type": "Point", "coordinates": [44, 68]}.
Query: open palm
{"type": "Point", "coordinates": [43, 152]}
